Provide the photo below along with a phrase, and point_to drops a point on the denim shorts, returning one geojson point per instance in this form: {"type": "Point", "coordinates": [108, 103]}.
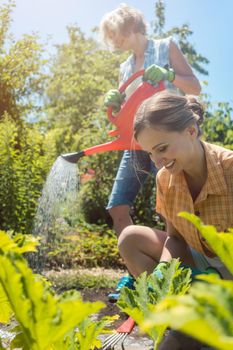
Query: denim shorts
{"type": "Point", "coordinates": [133, 171]}
{"type": "Point", "coordinates": [202, 262]}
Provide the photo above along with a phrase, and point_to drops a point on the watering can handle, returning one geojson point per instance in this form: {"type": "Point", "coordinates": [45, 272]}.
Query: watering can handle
{"type": "Point", "coordinates": [122, 89]}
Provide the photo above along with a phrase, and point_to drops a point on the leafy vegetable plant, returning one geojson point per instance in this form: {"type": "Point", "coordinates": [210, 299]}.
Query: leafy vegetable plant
{"type": "Point", "coordinates": [150, 290]}
{"type": "Point", "coordinates": [44, 320]}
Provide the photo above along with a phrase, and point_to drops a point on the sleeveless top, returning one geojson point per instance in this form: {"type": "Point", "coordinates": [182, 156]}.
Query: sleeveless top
{"type": "Point", "coordinates": [157, 52]}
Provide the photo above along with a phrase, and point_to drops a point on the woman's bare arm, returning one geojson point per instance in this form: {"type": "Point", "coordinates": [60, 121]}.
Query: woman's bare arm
{"type": "Point", "coordinates": [185, 80]}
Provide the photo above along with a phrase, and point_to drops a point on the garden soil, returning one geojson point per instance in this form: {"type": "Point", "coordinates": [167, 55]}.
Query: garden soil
{"type": "Point", "coordinates": [135, 340]}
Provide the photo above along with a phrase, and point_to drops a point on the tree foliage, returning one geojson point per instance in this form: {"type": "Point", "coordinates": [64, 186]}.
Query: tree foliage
{"type": "Point", "coordinates": [24, 148]}
{"type": "Point", "coordinates": [218, 124]}
{"type": "Point", "coordinates": [182, 34]}
{"type": "Point", "coordinates": [21, 74]}
{"type": "Point", "coordinates": [80, 75]}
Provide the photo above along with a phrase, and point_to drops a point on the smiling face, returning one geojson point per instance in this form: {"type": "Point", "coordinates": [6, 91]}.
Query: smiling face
{"type": "Point", "coordinates": [172, 150]}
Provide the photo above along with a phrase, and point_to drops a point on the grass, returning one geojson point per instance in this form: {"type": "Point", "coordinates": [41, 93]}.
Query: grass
{"type": "Point", "coordinates": [83, 278]}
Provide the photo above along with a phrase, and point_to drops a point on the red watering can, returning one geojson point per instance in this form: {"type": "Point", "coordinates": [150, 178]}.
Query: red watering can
{"type": "Point", "coordinates": [123, 120]}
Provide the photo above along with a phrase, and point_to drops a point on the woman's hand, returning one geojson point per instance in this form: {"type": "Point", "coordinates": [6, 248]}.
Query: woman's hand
{"type": "Point", "coordinates": [114, 98]}
{"type": "Point", "coordinates": [155, 73]}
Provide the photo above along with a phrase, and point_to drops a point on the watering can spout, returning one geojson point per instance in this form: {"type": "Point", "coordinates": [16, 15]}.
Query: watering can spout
{"type": "Point", "coordinates": [73, 157]}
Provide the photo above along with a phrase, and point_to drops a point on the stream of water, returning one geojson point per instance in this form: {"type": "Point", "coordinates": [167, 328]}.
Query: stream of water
{"type": "Point", "coordinates": [56, 207]}
{"type": "Point", "coordinates": [58, 195]}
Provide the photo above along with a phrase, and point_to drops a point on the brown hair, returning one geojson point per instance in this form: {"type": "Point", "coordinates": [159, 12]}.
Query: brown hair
{"type": "Point", "coordinates": [123, 20]}
{"type": "Point", "coordinates": [169, 112]}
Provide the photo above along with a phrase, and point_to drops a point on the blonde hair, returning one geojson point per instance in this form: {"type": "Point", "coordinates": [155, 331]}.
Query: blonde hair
{"type": "Point", "coordinates": [123, 20]}
{"type": "Point", "coordinates": [168, 112]}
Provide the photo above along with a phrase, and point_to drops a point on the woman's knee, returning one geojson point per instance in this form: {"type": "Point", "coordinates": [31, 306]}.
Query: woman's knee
{"type": "Point", "coordinates": [127, 240]}
{"type": "Point", "coordinates": [136, 238]}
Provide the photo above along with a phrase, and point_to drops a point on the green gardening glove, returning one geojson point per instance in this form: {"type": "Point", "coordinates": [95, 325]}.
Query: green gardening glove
{"type": "Point", "coordinates": [155, 73]}
{"type": "Point", "coordinates": [114, 98]}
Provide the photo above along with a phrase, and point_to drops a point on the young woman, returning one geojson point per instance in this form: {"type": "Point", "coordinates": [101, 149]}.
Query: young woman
{"type": "Point", "coordinates": [125, 28]}
{"type": "Point", "coordinates": [194, 176]}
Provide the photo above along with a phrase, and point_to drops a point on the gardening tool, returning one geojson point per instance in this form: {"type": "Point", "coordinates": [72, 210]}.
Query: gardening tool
{"type": "Point", "coordinates": [123, 120]}
{"type": "Point", "coordinates": [121, 334]}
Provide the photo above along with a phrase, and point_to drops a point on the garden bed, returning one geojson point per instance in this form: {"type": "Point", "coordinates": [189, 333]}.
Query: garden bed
{"type": "Point", "coordinates": [94, 285]}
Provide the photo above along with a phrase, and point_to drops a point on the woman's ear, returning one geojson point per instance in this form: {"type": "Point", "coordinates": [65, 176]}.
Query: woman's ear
{"type": "Point", "coordinates": [192, 130]}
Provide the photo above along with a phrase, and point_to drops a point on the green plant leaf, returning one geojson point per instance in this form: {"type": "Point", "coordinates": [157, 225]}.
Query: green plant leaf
{"type": "Point", "coordinates": [206, 313]}
{"type": "Point", "coordinates": [19, 244]}
{"type": "Point", "coordinates": [5, 308]}
{"type": "Point", "coordinates": [88, 332]}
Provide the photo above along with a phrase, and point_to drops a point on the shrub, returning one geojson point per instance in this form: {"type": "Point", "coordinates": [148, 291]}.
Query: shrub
{"type": "Point", "coordinates": [87, 245]}
{"type": "Point", "coordinates": [24, 162]}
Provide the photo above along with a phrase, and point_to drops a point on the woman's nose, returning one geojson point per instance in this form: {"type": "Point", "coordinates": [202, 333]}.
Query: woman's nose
{"type": "Point", "coordinates": [158, 161]}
